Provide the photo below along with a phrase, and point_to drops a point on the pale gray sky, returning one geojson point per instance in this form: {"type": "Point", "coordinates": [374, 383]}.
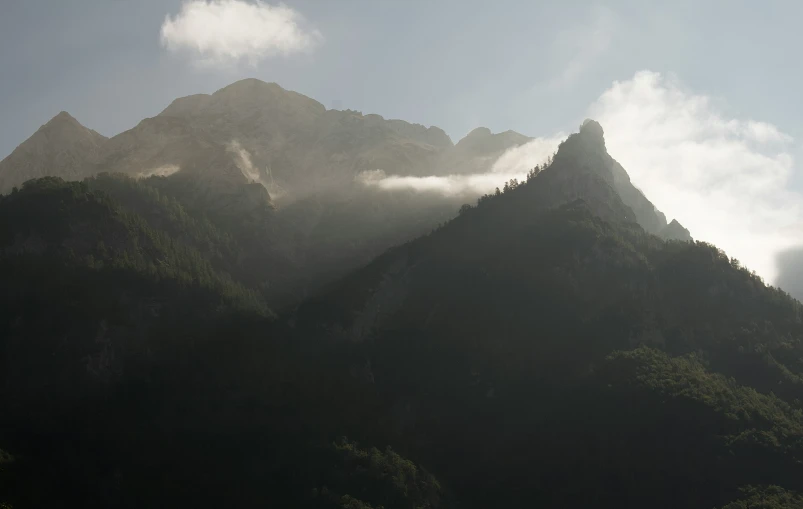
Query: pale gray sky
{"type": "Point", "coordinates": [713, 87]}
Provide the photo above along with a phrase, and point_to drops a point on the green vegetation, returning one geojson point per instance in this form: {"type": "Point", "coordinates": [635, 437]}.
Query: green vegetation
{"type": "Point", "coordinates": [753, 417]}
{"type": "Point", "coordinates": [377, 479]}
{"type": "Point", "coordinates": [50, 218]}
{"type": "Point", "coordinates": [539, 350]}
{"type": "Point", "coordinates": [772, 497]}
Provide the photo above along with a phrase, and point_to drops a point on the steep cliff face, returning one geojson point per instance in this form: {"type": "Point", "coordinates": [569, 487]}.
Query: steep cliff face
{"type": "Point", "coordinates": [583, 170]}
{"type": "Point", "coordinates": [590, 142]}
{"type": "Point", "coordinates": [62, 148]}
{"type": "Point", "coordinates": [674, 231]}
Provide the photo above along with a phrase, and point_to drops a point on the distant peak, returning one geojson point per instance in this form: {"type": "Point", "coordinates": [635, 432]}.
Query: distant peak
{"type": "Point", "coordinates": [254, 81]}
{"type": "Point", "coordinates": [63, 117]}
{"type": "Point", "coordinates": [480, 131]}
{"type": "Point", "coordinates": [675, 231]}
{"type": "Point", "coordinates": [591, 134]}
{"type": "Point", "coordinates": [249, 84]}
{"type": "Point", "coordinates": [592, 127]}
{"type": "Point", "coordinates": [63, 122]}
{"type": "Point", "coordinates": [244, 95]}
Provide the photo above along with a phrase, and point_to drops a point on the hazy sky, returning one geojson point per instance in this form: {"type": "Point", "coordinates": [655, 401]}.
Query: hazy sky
{"type": "Point", "coordinates": [700, 100]}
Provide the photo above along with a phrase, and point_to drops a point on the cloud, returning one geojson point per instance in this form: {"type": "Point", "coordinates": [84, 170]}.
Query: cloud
{"type": "Point", "coordinates": [513, 164]}
{"type": "Point", "coordinates": [582, 45]}
{"type": "Point", "coordinates": [519, 160]}
{"type": "Point", "coordinates": [160, 171]}
{"type": "Point", "coordinates": [226, 32]}
{"type": "Point", "coordinates": [243, 161]}
{"type": "Point", "coordinates": [727, 180]}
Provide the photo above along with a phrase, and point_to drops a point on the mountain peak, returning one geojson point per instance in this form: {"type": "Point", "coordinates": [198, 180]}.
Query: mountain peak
{"type": "Point", "coordinates": [675, 231]}
{"type": "Point", "coordinates": [592, 131]}
{"type": "Point", "coordinates": [62, 116]}
{"type": "Point", "coordinates": [591, 125]}
{"type": "Point", "coordinates": [245, 91]}
{"type": "Point", "coordinates": [483, 138]}
{"type": "Point", "coordinates": [586, 151]}
{"type": "Point", "coordinates": [588, 143]}
{"type": "Point", "coordinates": [61, 121]}
{"type": "Point", "coordinates": [246, 96]}
{"type": "Point", "coordinates": [249, 84]}
{"type": "Point", "coordinates": [62, 147]}
{"type": "Point", "coordinates": [479, 132]}
{"type": "Point", "coordinates": [64, 128]}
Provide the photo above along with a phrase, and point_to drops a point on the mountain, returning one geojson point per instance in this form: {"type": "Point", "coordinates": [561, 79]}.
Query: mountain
{"type": "Point", "coordinates": [479, 149]}
{"type": "Point", "coordinates": [62, 146]}
{"type": "Point", "coordinates": [133, 294]}
{"type": "Point", "coordinates": [535, 352]}
{"type": "Point", "coordinates": [284, 140]}
{"type": "Point", "coordinates": [545, 347]}
{"type": "Point", "coordinates": [645, 213]}
{"type": "Point", "coordinates": [583, 169]}
{"type": "Point", "coordinates": [675, 231]}
{"type": "Point", "coordinates": [276, 167]}
{"type": "Point", "coordinates": [291, 142]}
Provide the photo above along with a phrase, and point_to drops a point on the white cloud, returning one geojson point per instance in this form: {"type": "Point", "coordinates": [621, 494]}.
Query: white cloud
{"type": "Point", "coordinates": [521, 159]}
{"type": "Point", "coordinates": [726, 180]}
{"type": "Point", "coordinates": [160, 171]}
{"type": "Point", "coordinates": [243, 161]}
{"type": "Point", "coordinates": [450, 185]}
{"type": "Point", "coordinates": [513, 164]}
{"type": "Point", "coordinates": [224, 32]}
{"type": "Point", "coordinates": [582, 45]}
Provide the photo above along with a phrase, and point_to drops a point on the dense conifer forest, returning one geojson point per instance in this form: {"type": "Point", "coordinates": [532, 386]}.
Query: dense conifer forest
{"type": "Point", "coordinates": [541, 348]}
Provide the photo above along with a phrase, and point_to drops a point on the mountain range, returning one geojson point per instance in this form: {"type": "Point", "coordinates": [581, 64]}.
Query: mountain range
{"type": "Point", "coordinates": [285, 140]}
{"type": "Point", "coordinates": [254, 152]}
{"type": "Point", "coordinates": [188, 337]}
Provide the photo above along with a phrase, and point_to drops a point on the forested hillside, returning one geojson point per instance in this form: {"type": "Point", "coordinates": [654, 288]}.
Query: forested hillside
{"type": "Point", "coordinates": [545, 348]}
{"type": "Point", "coordinates": [575, 358]}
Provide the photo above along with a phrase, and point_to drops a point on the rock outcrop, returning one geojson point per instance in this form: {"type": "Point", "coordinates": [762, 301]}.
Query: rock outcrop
{"type": "Point", "coordinates": [586, 149]}
{"type": "Point", "coordinates": [675, 231]}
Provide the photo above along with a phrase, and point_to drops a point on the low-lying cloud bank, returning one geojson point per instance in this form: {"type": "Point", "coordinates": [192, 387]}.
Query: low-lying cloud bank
{"type": "Point", "coordinates": [226, 32]}
{"type": "Point", "coordinates": [513, 164]}
{"type": "Point", "coordinates": [160, 171]}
